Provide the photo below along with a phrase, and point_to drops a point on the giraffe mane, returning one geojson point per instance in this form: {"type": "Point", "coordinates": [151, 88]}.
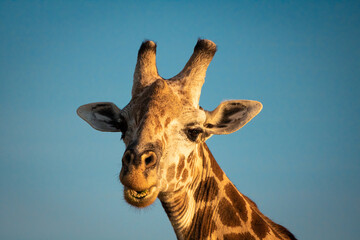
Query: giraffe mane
{"type": "Point", "coordinates": [277, 227]}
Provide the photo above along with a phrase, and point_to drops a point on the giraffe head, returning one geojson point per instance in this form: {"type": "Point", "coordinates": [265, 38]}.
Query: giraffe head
{"type": "Point", "coordinates": [163, 123]}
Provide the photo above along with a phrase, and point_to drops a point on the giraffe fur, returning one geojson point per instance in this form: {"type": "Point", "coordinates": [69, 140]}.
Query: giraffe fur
{"type": "Point", "coordinates": [164, 130]}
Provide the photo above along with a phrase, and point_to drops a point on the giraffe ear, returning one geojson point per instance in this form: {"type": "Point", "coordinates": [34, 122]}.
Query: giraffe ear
{"type": "Point", "coordinates": [102, 116]}
{"type": "Point", "coordinates": [230, 116]}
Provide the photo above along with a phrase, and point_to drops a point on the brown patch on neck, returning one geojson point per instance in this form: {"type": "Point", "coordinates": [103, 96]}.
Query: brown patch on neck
{"type": "Point", "coordinates": [214, 165]}
{"type": "Point", "coordinates": [237, 201]}
{"type": "Point", "coordinates": [202, 224]}
{"type": "Point", "coordinates": [279, 231]}
{"type": "Point", "coordinates": [259, 226]}
{"type": "Point", "coordinates": [207, 190]}
{"type": "Point", "coordinates": [239, 236]}
{"type": "Point", "coordinates": [227, 214]}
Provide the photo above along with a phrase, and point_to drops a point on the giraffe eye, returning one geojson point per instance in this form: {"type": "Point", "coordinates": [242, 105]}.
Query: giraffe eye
{"type": "Point", "coordinates": [193, 133]}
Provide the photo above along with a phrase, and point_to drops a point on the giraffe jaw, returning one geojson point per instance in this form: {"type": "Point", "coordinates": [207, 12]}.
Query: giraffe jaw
{"type": "Point", "coordinates": [141, 198]}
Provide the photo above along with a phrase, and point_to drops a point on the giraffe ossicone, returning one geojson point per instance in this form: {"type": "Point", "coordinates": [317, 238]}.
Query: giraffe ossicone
{"type": "Point", "coordinates": [166, 157]}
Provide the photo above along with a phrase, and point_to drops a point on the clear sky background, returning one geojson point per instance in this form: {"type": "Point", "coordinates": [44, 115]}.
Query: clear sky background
{"type": "Point", "coordinates": [299, 159]}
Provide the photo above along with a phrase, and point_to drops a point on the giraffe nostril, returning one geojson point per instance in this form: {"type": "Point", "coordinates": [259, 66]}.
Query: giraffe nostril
{"type": "Point", "coordinates": [127, 158]}
{"type": "Point", "coordinates": [150, 159]}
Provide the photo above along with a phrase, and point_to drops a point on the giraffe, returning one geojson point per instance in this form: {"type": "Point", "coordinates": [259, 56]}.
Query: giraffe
{"type": "Point", "coordinates": [164, 130]}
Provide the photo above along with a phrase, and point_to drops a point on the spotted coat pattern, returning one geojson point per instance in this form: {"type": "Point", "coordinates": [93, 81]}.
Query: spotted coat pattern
{"type": "Point", "coordinates": [164, 130]}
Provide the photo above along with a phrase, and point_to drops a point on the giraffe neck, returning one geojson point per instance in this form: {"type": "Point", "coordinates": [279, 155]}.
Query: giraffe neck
{"type": "Point", "coordinates": [190, 209]}
{"type": "Point", "coordinates": [212, 207]}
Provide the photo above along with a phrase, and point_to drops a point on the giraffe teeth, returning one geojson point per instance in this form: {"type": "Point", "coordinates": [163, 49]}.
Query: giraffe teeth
{"type": "Point", "coordinates": [140, 198]}
{"type": "Point", "coordinates": [139, 194]}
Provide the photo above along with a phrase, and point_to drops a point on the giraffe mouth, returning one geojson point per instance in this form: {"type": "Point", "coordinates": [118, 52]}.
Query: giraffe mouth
{"type": "Point", "coordinates": [140, 198]}
{"type": "Point", "coordinates": [139, 194]}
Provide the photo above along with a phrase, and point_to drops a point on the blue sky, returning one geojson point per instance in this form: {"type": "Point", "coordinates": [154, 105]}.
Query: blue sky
{"type": "Point", "coordinates": [299, 159]}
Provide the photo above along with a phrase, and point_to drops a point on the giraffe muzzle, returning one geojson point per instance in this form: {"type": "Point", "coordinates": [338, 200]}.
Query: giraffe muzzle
{"type": "Point", "coordinates": [139, 177]}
